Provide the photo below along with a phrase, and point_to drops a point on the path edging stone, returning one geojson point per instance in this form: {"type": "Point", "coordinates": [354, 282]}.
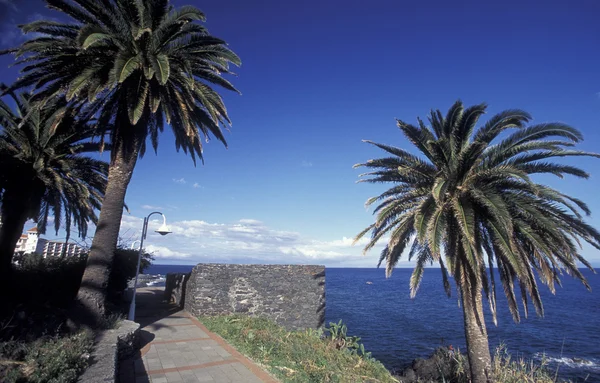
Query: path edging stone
{"type": "Point", "coordinates": [110, 346]}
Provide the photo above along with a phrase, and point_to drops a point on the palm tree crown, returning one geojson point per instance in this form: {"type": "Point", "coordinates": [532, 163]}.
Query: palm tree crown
{"type": "Point", "coordinates": [135, 63]}
{"type": "Point", "coordinates": [468, 203]}
{"type": "Point", "coordinates": [43, 166]}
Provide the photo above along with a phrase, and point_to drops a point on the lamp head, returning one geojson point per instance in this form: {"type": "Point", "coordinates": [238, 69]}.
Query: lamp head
{"type": "Point", "coordinates": [163, 230]}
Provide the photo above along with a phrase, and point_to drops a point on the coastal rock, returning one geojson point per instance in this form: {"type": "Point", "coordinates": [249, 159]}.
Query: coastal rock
{"type": "Point", "coordinates": [438, 367]}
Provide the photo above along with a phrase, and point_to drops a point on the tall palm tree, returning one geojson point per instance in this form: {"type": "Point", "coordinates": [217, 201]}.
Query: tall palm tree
{"type": "Point", "coordinates": [44, 172]}
{"type": "Point", "coordinates": [135, 64]}
{"type": "Point", "coordinates": [467, 202]}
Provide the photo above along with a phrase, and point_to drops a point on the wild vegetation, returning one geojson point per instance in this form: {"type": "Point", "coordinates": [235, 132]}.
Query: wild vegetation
{"type": "Point", "coordinates": [47, 359]}
{"type": "Point", "coordinates": [468, 203]}
{"type": "Point", "coordinates": [57, 280]}
{"type": "Point", "coordinates": [300, 356]}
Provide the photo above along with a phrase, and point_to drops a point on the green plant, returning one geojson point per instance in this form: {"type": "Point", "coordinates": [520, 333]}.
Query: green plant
{"type": "Point", "coordinates": [46, 360]}
{"type": "Point", "coordinates": [338, 335]}
{"type": "Point", "coordinates": [112, 320]}
{"type": "Point", "coordinates": [123, 270]}
{"type": "Point", "coordinates": [467, 201]}
{"type": "Point", "coordinates": [56, 280]}
{"type": "Point", "coordinates": [317, 333]}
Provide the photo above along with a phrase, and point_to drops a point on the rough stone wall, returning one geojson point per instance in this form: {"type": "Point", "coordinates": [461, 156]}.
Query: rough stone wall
{"type": "Point", "coordinates": [291, 295]}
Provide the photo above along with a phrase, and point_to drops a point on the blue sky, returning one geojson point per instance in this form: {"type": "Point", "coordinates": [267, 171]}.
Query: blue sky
{"type": "Point", "coordinates": [320, 76]}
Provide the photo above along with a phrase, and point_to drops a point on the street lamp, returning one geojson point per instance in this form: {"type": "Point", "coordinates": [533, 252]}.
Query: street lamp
{"type": "Point", "coordinates": [162, 230]}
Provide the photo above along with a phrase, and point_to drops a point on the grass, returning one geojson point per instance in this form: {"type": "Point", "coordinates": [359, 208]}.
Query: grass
{"type": "Point", "coordinates": [296, 356]}
{"type": "Point", "coordinates": [57, 359]}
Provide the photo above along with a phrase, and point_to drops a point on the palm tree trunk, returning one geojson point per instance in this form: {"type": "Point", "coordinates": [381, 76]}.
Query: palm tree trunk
{"type": "Point", "coordinates": [63, 252]}
{"type": "Point", "coordinates": [90, 306]}
{"type": "Point", "coordinates": [14, 216]}
{"type": "Point", "coordinates": [480, 361]}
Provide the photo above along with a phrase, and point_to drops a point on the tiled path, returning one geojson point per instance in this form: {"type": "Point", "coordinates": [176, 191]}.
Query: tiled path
{"type": "Point", "coordinates": [176, 347]}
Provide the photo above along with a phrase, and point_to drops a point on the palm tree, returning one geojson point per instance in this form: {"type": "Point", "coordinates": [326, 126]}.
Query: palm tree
{"type": "Point", "coordinates": [467, 202]}
{"type": "Point", "coordinates": [43, 171]}
{"type": "Point", "coordinates": [135, 64]}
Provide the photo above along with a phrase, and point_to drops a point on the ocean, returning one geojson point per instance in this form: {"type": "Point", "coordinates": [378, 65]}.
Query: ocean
{"type": "Point", "coordinates": [397, 329]}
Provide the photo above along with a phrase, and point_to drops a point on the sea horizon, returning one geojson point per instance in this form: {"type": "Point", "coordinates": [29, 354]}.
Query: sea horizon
{"type": "Point", "coordinates": [594, 265]}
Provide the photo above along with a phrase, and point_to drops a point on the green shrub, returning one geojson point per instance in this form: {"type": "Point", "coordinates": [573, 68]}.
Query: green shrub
{"type": "Point", "coordinates": [338, 336]}
{"type": "Point", "coordinates": [55, 281]}
{"type": "Point", "coordinates": [52, 280]}
{"type": "Point", "coordinates": [123, 270]}
{"type": "Point", "coordinates": [46, 360]}
{"type": "Point", "coordinates": [42, 289]}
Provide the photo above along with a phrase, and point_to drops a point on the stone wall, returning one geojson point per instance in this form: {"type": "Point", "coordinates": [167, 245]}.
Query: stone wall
{"type": "Point", "coordinates": [110, 346]}
{"type": "Point", "coordinates": [291, 295]}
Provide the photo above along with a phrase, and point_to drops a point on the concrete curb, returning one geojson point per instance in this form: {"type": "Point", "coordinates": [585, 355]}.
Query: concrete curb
{"type": "Point", "coordinates": [110, 346]}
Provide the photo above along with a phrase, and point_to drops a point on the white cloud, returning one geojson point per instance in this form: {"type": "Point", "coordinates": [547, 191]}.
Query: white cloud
{"type": "Point", "coordinates": [166, 253]}
{"type": "Point", "coordinates": [151, 207]}
{"type": "Point", "coordinates": [243, 241]}
{"type": "Point", "coordinates": [306, 164]}
{"type": "Point", "coordinates": [247, 241]}
{"type": "Point", "coordinates": [181, 181]}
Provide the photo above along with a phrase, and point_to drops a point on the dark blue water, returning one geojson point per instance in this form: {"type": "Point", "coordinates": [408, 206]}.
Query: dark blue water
{"type": "Point", "coordinates": [397, 329]}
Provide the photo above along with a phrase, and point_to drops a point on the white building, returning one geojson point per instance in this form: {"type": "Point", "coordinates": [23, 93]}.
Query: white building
{"type": "Point", "coordinates": [30, 242]}
{"type": "Point", "coordinates": [55, 248]}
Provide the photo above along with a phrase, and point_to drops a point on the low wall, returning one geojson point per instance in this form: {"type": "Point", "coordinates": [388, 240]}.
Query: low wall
{"type": "Point", "coordinates": [109, 347]}
{"type": "Point", "coordinates": [291, 295]}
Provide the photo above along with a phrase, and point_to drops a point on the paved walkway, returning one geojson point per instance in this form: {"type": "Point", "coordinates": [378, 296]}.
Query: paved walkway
{"type": "Point", "coordinates": [176, 347]}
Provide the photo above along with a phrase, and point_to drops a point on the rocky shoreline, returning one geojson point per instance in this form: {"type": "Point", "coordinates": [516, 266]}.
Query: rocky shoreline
{"type": "Point", "coordinates": [444, 363]}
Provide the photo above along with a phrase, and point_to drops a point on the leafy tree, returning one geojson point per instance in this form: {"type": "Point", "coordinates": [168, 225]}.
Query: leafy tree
{"type": "Point", "coordinates": [135, 64]}
{"type": "Point", "coordinates": [44, 173]}
{"type": "Point", "coordinates": [468, 203]}
{"type": "Point", "coordinates": [124, 270]}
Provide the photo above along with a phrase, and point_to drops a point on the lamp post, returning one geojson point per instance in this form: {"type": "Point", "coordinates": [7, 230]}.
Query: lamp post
{"type": "Point", "coordinates": [163, 230]}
